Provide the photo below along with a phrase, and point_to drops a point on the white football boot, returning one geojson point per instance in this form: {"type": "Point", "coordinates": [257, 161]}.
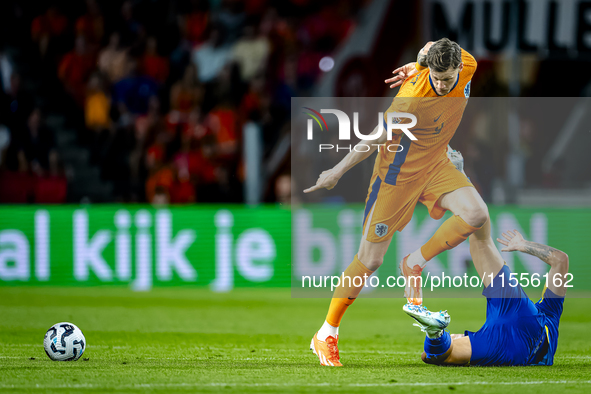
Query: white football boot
{"type": "Point", "coordinates": [432, 323]}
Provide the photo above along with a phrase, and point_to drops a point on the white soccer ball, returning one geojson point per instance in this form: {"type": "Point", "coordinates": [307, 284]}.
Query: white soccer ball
{"type": "Point", "coordinates": [64, 342]}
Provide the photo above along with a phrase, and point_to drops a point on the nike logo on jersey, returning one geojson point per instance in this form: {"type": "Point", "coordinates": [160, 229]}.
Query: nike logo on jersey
{"type": "Point", "coordinates": [437, 118]}
{"type": "Point", "coordinates": [438, 129]}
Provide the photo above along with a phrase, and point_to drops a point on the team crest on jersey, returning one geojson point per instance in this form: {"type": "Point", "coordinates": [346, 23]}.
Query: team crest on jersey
{"type": "Point", "coordinates": [467, 89]}
{"type": "Point", "coordinates": [381, 229]}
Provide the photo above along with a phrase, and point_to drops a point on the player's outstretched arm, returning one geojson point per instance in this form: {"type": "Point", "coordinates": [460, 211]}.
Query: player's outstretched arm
{"type": "Point", "coordinates": [328, 179]}
{"type": "Point", "coordinates": [556, 259]}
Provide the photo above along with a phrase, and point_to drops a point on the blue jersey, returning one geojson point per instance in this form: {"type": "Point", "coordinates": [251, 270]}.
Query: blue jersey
{"type": "Point", "coordinates": [516, 331]}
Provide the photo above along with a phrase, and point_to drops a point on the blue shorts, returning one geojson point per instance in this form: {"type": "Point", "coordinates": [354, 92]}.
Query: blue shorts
{"type": "Point", "coordinates": [551, 306]}
{"type": "Point", "coordinates": [516, 331]}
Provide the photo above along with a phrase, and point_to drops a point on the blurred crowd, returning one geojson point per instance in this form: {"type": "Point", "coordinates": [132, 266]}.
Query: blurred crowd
{"type": "Point", "coordinates": [159, 91]}
{"type": "Point", "coordinates": [155, 95]}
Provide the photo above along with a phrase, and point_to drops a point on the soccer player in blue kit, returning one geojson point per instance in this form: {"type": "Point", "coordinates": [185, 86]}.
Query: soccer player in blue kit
{"type": "Point", "coordinates": [517, 331]}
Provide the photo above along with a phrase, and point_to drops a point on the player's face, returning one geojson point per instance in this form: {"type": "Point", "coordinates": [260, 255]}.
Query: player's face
{"type": "Point", "coordinates": [444, 81]}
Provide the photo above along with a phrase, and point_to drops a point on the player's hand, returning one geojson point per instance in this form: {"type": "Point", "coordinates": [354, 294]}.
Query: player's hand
{"type": "Point", "coordinates": [327, 180]}
{"type": "Point", "coordinates": [513, 241]}
{"type": "Point", "coordinates": [425, 49]}
{"type": "Point", "coordinates": [456, 336]}
{"type": "Point", "coordinates": [402, 73]}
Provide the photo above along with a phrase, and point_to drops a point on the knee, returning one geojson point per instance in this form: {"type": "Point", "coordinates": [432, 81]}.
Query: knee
{"type": "Point", "coordinates": [370, 262]}
{"type": "Point", "coordinates": [475, 215]}
{"type": "Point", "coordinates": [374, 264]}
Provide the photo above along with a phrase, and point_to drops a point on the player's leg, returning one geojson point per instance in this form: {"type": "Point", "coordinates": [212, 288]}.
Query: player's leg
{"type": "Point", "coordinates": [487, 259]}
{"type": "Point", "coordinates": [459, 351]}
{"type": "Point", "coordinates": [467, 203]}
{"type": "Point", "coordinates": [388, 209]}
{"type": "Point", "coordinates": [470, 214]}
{"type": "Point", "coordinates": [369, 258]}
{"type": "Point", "coordinates": [449, 189]}
{"type": "Point", "coordinates": [485, 255]}
{"type": "Point", "coordinates": [440, 347]}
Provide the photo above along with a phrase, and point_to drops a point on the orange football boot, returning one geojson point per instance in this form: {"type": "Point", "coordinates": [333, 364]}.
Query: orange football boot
{"type": "Point", "coordinates": [413, 290]}
{"type": "Point", "coordinates": [327, 351]}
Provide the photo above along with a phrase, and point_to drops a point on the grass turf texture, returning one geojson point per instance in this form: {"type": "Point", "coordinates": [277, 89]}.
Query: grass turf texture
{"type": "Point", "coordinates": [182, 340]}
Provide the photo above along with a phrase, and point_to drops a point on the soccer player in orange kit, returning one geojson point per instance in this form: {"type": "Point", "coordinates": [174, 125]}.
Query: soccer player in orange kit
{"type": "Point", "coordinates": [437, 92]}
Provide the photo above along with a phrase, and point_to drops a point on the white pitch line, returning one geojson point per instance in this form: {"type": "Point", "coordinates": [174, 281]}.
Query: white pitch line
{"type": "Point", "coordinates": [281, 358]}
{"type": "Point", "coordinates": [377, 352]}
{"type": "Point", "coordinates": [196, 385]}
{"type": "Point", "coordinates": [250, 349]}
{"type": "Point", "coordinates": [41, 345]}
{"type": "Point", "coordinates": [21, 345]}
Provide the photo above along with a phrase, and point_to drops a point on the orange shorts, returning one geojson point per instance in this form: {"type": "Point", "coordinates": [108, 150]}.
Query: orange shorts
{"type": "Point", "coordinates": [389, 208]}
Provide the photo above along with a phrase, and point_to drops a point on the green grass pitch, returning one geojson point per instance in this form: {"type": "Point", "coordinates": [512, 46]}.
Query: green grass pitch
{"type": "Point", "coordinates": [186, 340]}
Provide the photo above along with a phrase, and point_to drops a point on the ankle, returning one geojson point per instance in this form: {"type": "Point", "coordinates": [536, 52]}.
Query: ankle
{"type": "Point", "coordinates": [327, 331]}
{"type": "Point", "coordinates": [416, 258]}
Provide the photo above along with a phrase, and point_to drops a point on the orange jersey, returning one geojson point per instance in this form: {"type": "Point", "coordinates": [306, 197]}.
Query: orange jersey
{"type": "Point", "coordinates": [438, 118]}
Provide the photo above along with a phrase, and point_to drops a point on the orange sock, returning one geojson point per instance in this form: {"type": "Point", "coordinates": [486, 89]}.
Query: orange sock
{"type": "Point", "coordinates": [450, 234]}
{"type": "Point", "coordinates": [345, 294]}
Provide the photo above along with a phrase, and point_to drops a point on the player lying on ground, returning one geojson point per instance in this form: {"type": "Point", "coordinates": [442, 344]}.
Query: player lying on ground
{"type": "Point", "coordinates": [421, 171]}
{"type": "Point", "coordinates": [516, 331]}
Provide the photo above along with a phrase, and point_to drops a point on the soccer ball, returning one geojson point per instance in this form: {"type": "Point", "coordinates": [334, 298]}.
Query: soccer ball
{"type": "Point", "coordinates": [64, 342]}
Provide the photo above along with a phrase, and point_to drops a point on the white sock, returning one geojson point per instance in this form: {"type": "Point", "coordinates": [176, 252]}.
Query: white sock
{"type": "Point", "coordinates": [416, 258]}
{"type": "Point", "coordinates": [327, 331]}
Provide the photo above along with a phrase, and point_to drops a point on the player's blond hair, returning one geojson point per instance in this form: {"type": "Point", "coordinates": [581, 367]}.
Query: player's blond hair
{"type": "Point", "coordinates": [443, 55]}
